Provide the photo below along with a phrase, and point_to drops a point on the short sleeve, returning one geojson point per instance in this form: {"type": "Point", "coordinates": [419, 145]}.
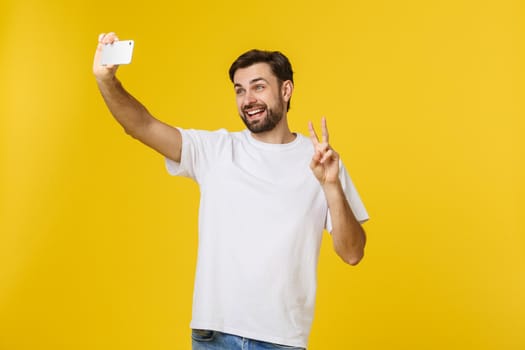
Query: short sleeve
{"type": "Point", "coordinates": [186, 166]}
{"type": "Point", "coordinates": [199, 150]}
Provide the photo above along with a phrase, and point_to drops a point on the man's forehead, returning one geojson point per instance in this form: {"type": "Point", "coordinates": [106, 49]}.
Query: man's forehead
{"type": "Point", "coordinates": [257, 71]}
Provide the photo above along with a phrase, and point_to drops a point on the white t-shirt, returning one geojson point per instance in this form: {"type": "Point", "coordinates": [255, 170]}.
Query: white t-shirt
{"type": "Point", "coordinates": [261, 217]}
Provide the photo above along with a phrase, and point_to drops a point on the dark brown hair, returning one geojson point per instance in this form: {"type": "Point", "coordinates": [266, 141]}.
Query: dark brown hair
{"type": "Point", "coordinates": [278, 62]}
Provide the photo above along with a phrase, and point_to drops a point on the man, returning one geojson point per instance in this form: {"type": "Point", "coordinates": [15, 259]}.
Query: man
{"type": "Point", "coordinates": [262, 211]}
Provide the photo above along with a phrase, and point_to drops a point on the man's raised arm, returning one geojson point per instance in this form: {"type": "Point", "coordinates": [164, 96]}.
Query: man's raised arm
{"type": "Point", "coordinates": [348, 235]}
{"type": "Point", "coordinates": [130, 113]}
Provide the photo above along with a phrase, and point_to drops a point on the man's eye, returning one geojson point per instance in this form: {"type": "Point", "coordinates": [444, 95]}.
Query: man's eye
{"type": "Point", "coordinates": [239, 91]}
{"type": "Point", "coordinates": [259, 87]}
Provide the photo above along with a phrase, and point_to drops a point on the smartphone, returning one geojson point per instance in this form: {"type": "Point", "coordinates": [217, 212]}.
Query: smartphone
{"type": "Point", "coordinates": [120, 52]}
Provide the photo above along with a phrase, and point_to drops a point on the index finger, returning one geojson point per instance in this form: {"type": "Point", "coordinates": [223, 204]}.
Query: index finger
{"type": "Point", "coordinates": [324, 130]}
{"type": "Point", "coordinates": [313, 135]}
{"type": "Point", "coordinates": [108, 38]}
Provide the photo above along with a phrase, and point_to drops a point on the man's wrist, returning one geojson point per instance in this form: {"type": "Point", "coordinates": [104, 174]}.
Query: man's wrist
{"type": "Point", "coordinates": [107, 79]}
{"type": "Point", "coordinates": [332, 188]}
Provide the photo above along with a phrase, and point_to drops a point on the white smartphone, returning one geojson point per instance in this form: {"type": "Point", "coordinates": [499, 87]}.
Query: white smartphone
{"type": "Point", "coordinates": [120, 52]}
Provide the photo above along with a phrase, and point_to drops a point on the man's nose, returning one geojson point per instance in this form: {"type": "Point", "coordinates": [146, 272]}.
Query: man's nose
{"type": "Point", "coordinates": [249, 98]}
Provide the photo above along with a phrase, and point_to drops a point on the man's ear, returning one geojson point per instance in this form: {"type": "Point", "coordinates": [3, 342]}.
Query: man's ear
{"type": "Point", "coordinates": [287, 90]}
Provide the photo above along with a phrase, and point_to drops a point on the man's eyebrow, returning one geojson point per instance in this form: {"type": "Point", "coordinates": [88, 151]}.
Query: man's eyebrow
{"type": "Point", "coordinates": [253, 81]}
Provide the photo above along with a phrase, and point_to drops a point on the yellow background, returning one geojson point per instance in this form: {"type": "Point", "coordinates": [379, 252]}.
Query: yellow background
{"type": "Point", "coordinates": [424, 100]}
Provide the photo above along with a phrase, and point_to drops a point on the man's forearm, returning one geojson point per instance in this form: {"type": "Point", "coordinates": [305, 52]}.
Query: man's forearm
{"type": "Point", "coordinates": [348, 236]}
{"type": "Point", "coordinates": [129, 112]}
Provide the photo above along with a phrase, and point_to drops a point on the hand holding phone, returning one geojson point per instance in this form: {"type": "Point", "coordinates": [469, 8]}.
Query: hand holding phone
{"type": "Point", "coordinates": [118, 52]}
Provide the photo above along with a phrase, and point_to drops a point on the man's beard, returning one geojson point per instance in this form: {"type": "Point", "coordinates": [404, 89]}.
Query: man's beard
{"type": "Point", "coordinates": [273, 117]}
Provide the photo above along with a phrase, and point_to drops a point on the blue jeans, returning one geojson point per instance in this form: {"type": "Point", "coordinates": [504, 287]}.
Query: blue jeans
{"type": "Point", "coordinates": [213, 340]}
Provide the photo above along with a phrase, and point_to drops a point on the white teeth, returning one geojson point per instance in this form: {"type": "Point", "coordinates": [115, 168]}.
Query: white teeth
{"type": "Point", "coordinates": [255, 112]}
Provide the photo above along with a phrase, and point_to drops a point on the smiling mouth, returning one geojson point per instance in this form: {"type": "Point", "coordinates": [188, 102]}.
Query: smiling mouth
{"type": "Point", "coordinates": [254, 112]}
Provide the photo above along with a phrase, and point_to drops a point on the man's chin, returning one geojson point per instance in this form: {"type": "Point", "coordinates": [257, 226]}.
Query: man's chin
{"type": "Point", "coordinates": [252, 125]}
{"type": "Point", "coordinates": [258, 126]}
{"type": "Point", "coordinates": [259, 129]}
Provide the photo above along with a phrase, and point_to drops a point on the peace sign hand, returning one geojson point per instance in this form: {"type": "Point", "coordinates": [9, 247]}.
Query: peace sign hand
{"type": "Point", "coordinates": [325, 161]}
